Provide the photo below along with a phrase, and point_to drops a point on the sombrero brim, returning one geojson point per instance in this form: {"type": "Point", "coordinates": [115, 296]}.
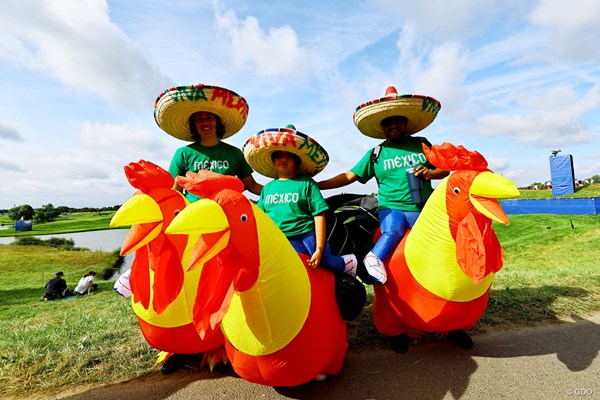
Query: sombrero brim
{"type": "Point", "coordinates": [258, 149]}
{"type": "Point", "coordinates": [420, 111]}
{"type": "Point", "coordinates": [173, 108]}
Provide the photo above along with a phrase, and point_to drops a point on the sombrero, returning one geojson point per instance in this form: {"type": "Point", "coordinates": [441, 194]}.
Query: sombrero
{"type": "Point", "coordinates": [173, 107]}
{"type": "Point", "coordinates": [420, 111]}
{"type": "Point", "coordinates": [258, 149]}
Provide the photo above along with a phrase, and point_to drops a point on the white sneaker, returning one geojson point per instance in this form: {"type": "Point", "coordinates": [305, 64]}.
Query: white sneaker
{"type": "Point", "coordinates": [375, 268]}
{"type": "Point", "coordinates": [351, 264]}
{"type": "Point", "coordinates": [320, 377]}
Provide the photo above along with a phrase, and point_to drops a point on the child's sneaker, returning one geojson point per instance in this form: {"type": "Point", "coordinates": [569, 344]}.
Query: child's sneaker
{"type": "Point", "coordinates": [351, 264]}
{"type": "Point", "coordinates": [375, 268]}
{"type": "Point", "coordinates": [320, 377]}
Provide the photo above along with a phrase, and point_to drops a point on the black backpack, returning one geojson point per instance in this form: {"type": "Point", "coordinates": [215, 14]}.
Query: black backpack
{"type": "Point", "coordinates": [351, 223]}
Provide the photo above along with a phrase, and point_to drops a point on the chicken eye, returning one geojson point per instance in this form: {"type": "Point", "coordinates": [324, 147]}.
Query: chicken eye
{"type": "Point", "coordinates": [243, 217]}
{"type": "Point", "coordinates": [177, 212]}
{"type": "Point", "coordinates": [456, 190]}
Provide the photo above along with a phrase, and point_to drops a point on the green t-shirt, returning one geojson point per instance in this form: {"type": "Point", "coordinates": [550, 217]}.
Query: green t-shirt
{"type": "Point", "coordinates": [292, 204]}
{"type": "Point", "coordinates": [390, 172]}
{"type": "Point", "coordinates": [223, 158]}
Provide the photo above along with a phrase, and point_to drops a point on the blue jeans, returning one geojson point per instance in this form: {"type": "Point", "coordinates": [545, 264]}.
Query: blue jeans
{"type": "Point", "coordinates": [307, 244]}
{"type": "Point", "coordinates": [393, 224]}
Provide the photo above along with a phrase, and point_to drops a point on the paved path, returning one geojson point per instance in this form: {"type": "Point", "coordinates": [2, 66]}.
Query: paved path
{"type": "Point", "coordinates": [556, 362]}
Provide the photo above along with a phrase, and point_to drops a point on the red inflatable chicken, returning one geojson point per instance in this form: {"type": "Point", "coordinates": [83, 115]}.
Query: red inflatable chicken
{"type": "Point", "coordinates": [280, 318]}
{"type": "Point", "coordinates": [440, 274]}
{"type": "Point", "coordinates": [162, 292]}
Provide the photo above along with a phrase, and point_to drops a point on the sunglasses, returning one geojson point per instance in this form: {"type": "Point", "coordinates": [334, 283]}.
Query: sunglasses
{"type": "Point", "coordinates": [396, 120]}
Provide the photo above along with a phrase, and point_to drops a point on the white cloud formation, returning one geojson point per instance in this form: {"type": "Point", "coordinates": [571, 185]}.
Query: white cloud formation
{"type": "Point", "coordinates": [10, 166]}
{"type": "Point", "coordinates": [76, 43]}
{"type": "Point", "coordinates": [117, 145]}
{"type": "Point", "coordinates": [7, 132]}
{"type": "Point", "coordinates": [497, 164]}
{"type": "Point", "coordinates": [550, 119]}
{"type": "Point", "coordinates": [272, 52]}
{"type": "Point", "coordinates": [575, 27]}
{"type": "Point", "coordinates": [451, 20]}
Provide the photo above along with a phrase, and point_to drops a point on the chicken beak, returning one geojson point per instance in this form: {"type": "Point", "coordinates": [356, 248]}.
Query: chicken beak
{"type": "Point", "coordinates": [145, 218]}
{"type": "Point", "coordinates": [200, 217]}
{"type": "Point", "coordinates": [206, 218]}
{"type": "Point", "coordinates": [485, 189]}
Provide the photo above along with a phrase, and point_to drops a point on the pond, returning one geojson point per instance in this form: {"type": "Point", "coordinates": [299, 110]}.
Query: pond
{"type": "Point", "coordinates": [103, 240]}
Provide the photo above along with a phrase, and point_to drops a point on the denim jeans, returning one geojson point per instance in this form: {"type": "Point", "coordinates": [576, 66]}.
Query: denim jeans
{"type": "Point", "coordinates": [307, 244]}
{"type": "Point", "coordinates": [393, 224]}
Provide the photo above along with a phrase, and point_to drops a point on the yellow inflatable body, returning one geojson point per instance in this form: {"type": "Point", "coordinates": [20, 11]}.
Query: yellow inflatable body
{"type": "Point", "coordinates": [440, 275]}
{"type": "Point", "coordinates": [163, 291]}
{"type": "Point", "coordinates": [280, 319]}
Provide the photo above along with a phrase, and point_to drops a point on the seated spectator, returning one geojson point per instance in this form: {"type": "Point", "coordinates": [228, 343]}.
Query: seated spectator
{"type": "Point", "coordinates": [56, 288]}
{"type": "Point", "coordinates": [86, 284]}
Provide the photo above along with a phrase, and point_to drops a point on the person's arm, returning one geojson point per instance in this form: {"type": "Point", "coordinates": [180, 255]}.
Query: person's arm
{"type": "Point", "coordinates": [90, 283]}
{"type": "Point", "coordinates": [320, 233]}
{"type": "Point", "coordinates": [426, 173]}
{"type": "Point", "coordinates": [343, 179]}
{"type": "Point", "coordinates": [251, 185]}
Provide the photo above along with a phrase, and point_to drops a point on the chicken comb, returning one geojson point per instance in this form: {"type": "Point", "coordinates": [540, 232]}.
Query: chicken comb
{"type": "Point", "coordinates": [208, 183]}
{"type": "Point", "coordinates": [453, 158]}
{"type": "Point", "coordinates": [144, 175]}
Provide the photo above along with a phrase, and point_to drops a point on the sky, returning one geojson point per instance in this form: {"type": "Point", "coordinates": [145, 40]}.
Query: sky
{"type": "Point", "coordinates": [516, 79]}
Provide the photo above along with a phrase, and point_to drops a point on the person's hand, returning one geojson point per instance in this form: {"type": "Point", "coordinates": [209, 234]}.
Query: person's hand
{"type": "Point", "coordinates": [423, 172]}
{"type": "Point", "coordinates": [315, 259]}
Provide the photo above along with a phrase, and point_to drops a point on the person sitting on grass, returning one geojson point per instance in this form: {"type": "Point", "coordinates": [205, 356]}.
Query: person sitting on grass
{"type": "Point", "coordinates": [56, 288]}
{"type": "Point", "coordinates": [86, 284]}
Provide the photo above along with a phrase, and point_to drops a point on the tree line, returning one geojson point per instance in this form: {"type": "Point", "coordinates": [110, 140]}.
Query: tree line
{"type": "Point", "coordinates": [48, 213]}
{"type": "Point", "coordinates": [578, 183]}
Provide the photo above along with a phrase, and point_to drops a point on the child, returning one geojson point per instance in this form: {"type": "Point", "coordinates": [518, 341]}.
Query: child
{"type": "Point", "coordinates": [293, 200]}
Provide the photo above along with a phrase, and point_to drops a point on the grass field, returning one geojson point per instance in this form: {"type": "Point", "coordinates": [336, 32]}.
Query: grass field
{"type": "Point", "coordinates": [551, 273]}
{"type": "Point", "coordinates": [592, 190]}
{"type": "Point", "coordinates": [79, 222]}
{"type": "Point", "coordinates": [65, 223]}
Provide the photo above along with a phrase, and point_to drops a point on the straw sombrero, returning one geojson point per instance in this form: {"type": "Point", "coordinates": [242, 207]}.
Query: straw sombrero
{"type": "Point", "coordinates": [258, 149]}
{"type": "Point", "coordinates": [173, 107]}
{"type": "Point", "coordinates": [420, 111]}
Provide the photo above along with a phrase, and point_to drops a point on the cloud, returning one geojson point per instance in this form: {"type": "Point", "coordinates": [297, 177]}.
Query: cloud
{"type": "Point", "coordinates": [9, 133]}
{"type": "Point", "coordinates": [550, 119]}
{"type": "Point", "coordinates": [272, 52]}
{"type": "Point", "coordinates": [451, 20]}
{"type": "Point", "coordinates": [497, 163]}
{"type": "Point", "coordinates": [444, 73]}
{"type": "Point", "coordinates": [11, 166]}
{"type": "Point", "coordinates": [120, 144]}
{"type": "Point", "coordinates": [574, 28]}
{"type": "Point", "coordinates": [76, 43]}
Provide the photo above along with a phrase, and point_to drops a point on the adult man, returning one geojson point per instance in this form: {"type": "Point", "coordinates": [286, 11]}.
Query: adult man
{"type": "Point", "coordinates": [395, 118]}
{"type": "Point", "coordinates": [56, 287]}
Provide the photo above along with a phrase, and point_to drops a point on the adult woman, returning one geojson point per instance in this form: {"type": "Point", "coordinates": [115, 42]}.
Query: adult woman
{"type": "Point", "coordinates": [205, 115]}
{"type": "Point", "coordinates": [86, 284]}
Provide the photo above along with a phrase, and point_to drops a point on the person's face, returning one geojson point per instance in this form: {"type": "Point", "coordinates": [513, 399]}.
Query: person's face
{"type": "Point", "coordinates": [284, 163]}
{"type": "Point", "coordinates": [206, 123]}
{"type": "Point", "coordinates": [394, 128]}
